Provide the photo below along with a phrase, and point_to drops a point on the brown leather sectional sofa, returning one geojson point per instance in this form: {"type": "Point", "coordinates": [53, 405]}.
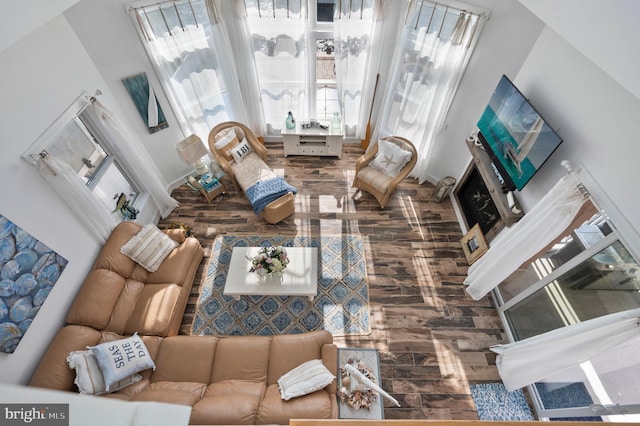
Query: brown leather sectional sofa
{"type": "Point", "coordinates": [226, 380]}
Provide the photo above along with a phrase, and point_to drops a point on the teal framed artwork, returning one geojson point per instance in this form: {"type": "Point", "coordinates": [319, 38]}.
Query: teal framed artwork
{"type": "Point", "coordinates": [28, 271]}
{"type": "Point", "coordinates": [144, 98]}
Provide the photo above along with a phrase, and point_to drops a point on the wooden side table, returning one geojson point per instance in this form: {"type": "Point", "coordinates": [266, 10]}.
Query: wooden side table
{"type": "Point", "coordinates": [213, 192]}
{"type": "Point", "coordinates": [371, 359]}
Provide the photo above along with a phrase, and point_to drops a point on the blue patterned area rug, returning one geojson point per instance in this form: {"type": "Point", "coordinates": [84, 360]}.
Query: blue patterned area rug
{"type": "Point", "coordinates": [494, 402]}
{"type": "Point", "coordinates": [341, 306]}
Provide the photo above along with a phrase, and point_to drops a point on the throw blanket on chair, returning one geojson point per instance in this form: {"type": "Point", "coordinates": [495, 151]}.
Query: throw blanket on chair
{"type": "Point", "coordinates": [265, 191]}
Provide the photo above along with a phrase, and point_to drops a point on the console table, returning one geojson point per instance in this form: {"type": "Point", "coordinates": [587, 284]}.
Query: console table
{"type": "Point", "coordinates": [313, 141]}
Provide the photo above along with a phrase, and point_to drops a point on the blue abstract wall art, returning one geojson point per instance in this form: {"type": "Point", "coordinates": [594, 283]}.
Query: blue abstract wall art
{"type": "Point", "coordinates": [28, 271]}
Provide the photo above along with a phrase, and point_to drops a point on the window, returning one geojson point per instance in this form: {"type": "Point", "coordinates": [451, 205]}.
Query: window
{"type": "Point", "coordinates": [79, 148]}
{"type": "Point", "coordinates": [72, 140]}
{"type": "Point", "coordinates": [181, 40]}
{"type": "Point", "coordinates": [294, 55]}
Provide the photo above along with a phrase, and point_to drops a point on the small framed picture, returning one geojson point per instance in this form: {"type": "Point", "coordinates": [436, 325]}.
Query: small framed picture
{"type": "Point", "coordinates": [473, 244]}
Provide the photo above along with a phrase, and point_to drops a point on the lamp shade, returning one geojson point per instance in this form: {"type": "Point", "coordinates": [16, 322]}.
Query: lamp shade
{"type": "Point", "coordinates": [191, 149]}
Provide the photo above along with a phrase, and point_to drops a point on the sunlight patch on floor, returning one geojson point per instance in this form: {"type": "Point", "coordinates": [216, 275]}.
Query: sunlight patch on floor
{"type": "Point", "coordinates": [427, 279]}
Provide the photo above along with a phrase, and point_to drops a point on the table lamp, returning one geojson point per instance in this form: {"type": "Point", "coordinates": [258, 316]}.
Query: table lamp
{"type": "Point", "coordinates": [191, 151]}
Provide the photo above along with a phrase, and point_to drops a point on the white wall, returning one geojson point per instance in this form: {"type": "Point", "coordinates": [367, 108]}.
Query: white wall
{"type": "Point", "coordinates": [595, 115]}
{"type": "Point", "coordinates": [19, 18]}
{"type": "Point", "coordinates": [41, 76]}
{"type": "Point", "coordinates": [606, 32]}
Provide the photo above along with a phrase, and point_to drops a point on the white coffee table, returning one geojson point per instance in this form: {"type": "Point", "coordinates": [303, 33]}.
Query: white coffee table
{"type": "Point", "coordinates": [300, 277]}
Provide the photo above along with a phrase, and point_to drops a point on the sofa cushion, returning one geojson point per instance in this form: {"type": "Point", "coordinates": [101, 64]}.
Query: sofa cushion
{"type": "Point", "coordinates": [155, 307]}
{"type": "Point", "coordinates": [149, 247]}
{"type": "Point", "coordinates": [273, 410]}
{"type": "Point", "coordinates": [122, 358]}
{"type": "Point", "coordinates": [194, 356]}
{"type": "Point", "coordinates": [242, 358]}
{"type": "Point", "coordinates": [52, 371]}
{"type": "Point", "coordinates": [229, 401]}
{"type": "Point", "coordinates": [304, 379]}
{"type": "Point", "coordinates": [96, 299]}
{"type": "Point", "coordinates": [374, 178]}
{"type": "Point", "coordinates": [290, 350]}
{"type": "Point", "coordinates": [182, 393]}
{"type": "Point", "coordinates": [89, 379]}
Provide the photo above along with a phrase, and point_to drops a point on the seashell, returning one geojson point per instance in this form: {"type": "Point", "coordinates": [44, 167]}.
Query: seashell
{"type": "Point", "coordinates": [24, 325]}
{"type": "Point", "coordinates": [41, 248]}
{"type": "Point", "coordinates": [346, 381]}
{"type": "Point", "coordinates": [7, 248]}
{"type": "Point", "coordinates": [24, 240]}
{"type": "Point", "coordinates": [10, 271]}
{"type": "Point", "coordinates": [4, 311]}
{"type": "Point", "coordinates": [44, 260]}
{"type": "Point", "coordinates": [49, 275]}
{"type": "Point", "coordinates": [6, 288]}
{"type": "Point", "coordinates": [41, 296]}
{"type": "Point", "coordinates": [6, 227]}
{"type": "Point", "coordinates": [10, 336]}
{"type": "Point", "coordinates": [21, 310]}
{"type": "Point", "coordinates": [26, 259]}
{"type": "Point", "coordinates": [24, 284]}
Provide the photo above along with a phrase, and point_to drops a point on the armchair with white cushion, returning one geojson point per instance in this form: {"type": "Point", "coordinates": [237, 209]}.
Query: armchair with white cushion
{"type": "Point", "coordinates": [380, 170]}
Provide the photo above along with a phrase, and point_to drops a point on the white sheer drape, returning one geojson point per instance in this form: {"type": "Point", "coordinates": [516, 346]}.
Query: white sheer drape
{"type": "Point", "coordinates": [131, 155]}
{"type": "Point", "coordinates": [235, 24]}
{"type": "Point", "coordinates": [550, 216]}
{"type": "Point", "coordinates": [281, 57]}
{"type": "Point", "coordinates": [357, 31]}
{"type": "Point", "coordinates": [74, 191]}
{"type": "Point", "coordinates": [527, 361]}
{"type": "Point", "coordinates": [198, 75]}
{"type": "Point", "coordinates": [433, 51]}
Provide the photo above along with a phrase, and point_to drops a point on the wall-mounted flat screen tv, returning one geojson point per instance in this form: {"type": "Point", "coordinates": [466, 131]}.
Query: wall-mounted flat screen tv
{"type": "Point", "coordinates": [515, 136]}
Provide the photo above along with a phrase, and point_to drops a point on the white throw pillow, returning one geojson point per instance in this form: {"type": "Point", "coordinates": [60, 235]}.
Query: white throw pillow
{"type": "Point", "coordinates": [122, 358]}
{"type": "Point", "coordinates": [89, 379]}
{"type": "Point", "coordinates": [240, 151]}
{"type": "Point", "coordinates": [304, 379]}
{"type": "Point", "coordinates": [226, 143]}
{"type": "Point", "coordinates": [390, 158]}
{"type": "Point", "coordinates": [149, 247]}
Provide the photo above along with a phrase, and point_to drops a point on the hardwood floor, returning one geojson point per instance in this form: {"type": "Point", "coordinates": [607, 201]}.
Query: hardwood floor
{"type": "Point", "coordinates": [432, 338]}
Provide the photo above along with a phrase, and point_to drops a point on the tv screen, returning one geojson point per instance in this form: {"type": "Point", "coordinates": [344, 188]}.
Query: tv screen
{"type": "Point", "coordinates": [515, 136]}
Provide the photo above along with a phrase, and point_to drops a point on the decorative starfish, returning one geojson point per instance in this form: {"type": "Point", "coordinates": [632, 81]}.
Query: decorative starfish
{"type": "Point", "coordinates": [388, 161]}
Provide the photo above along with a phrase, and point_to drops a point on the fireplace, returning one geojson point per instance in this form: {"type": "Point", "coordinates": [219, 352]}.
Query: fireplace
{"type": "Point", "coordinates": [477, 205]}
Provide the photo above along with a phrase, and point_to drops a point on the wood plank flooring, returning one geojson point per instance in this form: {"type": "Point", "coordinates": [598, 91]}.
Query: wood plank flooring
{"type": "Point", "coordinates": [432, 338]}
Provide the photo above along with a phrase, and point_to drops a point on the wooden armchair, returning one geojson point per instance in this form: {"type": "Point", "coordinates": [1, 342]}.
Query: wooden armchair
{"type": "Point", "coordinates": [373, 180]}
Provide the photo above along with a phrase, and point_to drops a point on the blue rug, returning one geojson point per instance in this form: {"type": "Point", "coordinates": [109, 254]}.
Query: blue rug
{"type": "Point", "coordinates": [494, 402]}
{"type": "Point", "coordinates": [565, 395]}
{"type": "Point", "coordinates": [341, 306]}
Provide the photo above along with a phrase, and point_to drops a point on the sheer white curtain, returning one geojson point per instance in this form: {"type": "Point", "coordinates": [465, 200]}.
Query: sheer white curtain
{"type": "Point", "coordinates": [74, 191]}
{"type": "Point", "coordinates": [131, 155]}
{"type": "Point", "coordinates": [550, 216]}
{"type": "Point", "coordinates": [194, 61]}
{"type": "Point", "coordinates": [527, 361]}
{"type": "Point", "coordinates": [236, 26]}
{"type": "Point", "coordinates": [281, 56]}
{"type": "Point", "coordinates": [434, 48]}
{"type": "Point", "coordinates": [357, 31]}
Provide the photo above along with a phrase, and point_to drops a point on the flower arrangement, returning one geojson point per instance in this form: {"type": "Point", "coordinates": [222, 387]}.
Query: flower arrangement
{"type": "Point", "coordinates": [357, 396]}
{"type": "Point", "coordinates": [269, 260]}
